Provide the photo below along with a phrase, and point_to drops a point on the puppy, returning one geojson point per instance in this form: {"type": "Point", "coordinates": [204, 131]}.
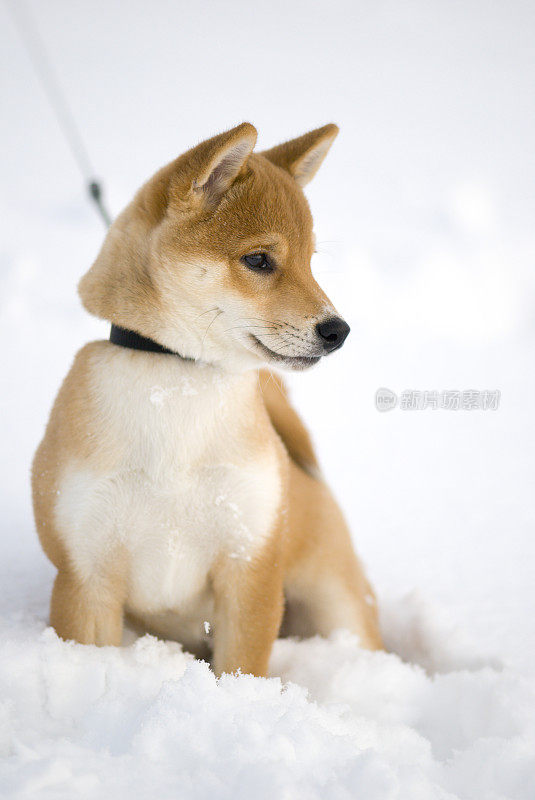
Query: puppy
{"type": "Point", "coordinates": [175, 483]}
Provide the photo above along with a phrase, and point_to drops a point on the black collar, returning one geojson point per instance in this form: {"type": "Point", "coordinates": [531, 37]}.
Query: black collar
{"type": "Point", "coordinates": [133, 340]}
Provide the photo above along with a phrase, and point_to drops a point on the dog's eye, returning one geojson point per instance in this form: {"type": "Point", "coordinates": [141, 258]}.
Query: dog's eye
{"type": "Point", "coordinates": [259, 262]}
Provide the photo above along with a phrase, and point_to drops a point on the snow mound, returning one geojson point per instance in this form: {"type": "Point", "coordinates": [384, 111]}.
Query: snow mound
{"type": "Point", "coordinates": [147, 720]}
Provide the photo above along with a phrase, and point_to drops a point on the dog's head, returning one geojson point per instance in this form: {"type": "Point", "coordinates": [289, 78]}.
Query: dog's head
{"type": "Point", "coordinates": [212, 257]}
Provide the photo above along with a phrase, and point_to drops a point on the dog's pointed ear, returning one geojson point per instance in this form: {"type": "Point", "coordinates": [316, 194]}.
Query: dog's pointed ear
{"type": "Point", "coordinates": [207, 171]}
{"type": "Point", "coordinates": [302, 157]}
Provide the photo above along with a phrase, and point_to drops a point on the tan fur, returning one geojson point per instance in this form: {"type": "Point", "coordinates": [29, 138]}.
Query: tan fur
{"type": "Point", "coordinates": [183, 491]}
{"type": "Point", "coordinates": [287, 422]}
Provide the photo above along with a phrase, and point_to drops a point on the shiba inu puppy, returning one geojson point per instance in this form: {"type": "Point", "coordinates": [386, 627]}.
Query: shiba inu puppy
{"type": "Point", "coordinates": [175, 483]}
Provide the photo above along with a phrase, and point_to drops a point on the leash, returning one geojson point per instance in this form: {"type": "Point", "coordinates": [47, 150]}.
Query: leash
{"type": "Point", "coordinates": [63, 113]}
{"type": "Point", "coordinates": [36, 50]}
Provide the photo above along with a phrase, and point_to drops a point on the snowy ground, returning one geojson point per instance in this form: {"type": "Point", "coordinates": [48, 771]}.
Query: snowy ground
{"type": "Point", "coordinates": [424, 213]}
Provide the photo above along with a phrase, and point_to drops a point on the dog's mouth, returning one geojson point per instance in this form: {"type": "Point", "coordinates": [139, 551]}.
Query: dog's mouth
{"type": "Point", "coordinates": [295, 362]}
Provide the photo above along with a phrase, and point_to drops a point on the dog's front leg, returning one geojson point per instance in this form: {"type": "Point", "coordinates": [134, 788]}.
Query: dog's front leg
{"type": "Point", "coordinates": [249, 604]}
{"type": "Point", "coordinates": [90, 611]}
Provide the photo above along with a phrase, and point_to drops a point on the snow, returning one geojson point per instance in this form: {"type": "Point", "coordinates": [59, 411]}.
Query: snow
{"type": "Point", "coordinates": [336, 722]}
{"type": "Point", "coordinates": [424, 219]}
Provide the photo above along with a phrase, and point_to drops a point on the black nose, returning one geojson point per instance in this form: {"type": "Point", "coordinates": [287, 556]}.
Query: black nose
{"type": "Point", "coordinates": [332, 332]}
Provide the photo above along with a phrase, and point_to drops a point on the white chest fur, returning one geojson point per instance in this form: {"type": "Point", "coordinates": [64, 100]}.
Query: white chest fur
{"type": "Point", "coordinates": [187, 484]}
